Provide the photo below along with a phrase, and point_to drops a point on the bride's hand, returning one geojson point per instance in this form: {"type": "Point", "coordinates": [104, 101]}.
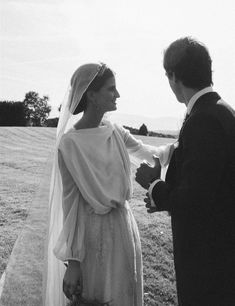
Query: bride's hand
{"type": "Point", "coordinates": [72, 283]}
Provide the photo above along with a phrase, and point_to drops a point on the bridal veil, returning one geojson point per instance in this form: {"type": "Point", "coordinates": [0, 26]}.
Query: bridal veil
{"type": "Point", "coordinates": [54, 268]}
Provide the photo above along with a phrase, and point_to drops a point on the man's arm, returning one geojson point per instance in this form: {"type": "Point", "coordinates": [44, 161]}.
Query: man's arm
{"type": "Point", "coordinates": [201, 166]}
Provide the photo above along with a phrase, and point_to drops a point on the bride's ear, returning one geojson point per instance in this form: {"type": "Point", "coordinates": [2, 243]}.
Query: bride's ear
{"type": "Point", "coordinates": [91, 95]}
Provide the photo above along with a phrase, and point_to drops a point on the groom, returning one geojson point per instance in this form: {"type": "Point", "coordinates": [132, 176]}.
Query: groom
{"type": "Point", "coordinates": [199, 189]}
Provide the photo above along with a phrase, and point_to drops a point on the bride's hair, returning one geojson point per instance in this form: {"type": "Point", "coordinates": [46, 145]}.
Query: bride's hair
{"type": "Point", "coordinates": [96, 85]}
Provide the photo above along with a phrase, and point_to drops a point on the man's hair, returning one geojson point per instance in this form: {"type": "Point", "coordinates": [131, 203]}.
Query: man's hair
{"type": "Point", "coordinates": [96, 85]}
{"type": "Point", "coordinates": [190, 61]}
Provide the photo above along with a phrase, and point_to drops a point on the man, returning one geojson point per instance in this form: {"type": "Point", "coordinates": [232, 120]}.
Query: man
{"type": "Point", "coordinates": [199, 188]}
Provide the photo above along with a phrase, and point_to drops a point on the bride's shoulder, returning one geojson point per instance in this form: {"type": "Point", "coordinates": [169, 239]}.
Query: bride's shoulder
{"type": "Point", "coordinates": [68, 134]}
{"type": "Point", "coordinates": [116, 126]}
{"type": "Point", "coordinates": [121, 130]}
{"type": "Point", "coordinates": [67, 138]}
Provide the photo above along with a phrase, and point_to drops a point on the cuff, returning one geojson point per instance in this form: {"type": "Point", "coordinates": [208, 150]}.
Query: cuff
{"type": "Point", "coordinates": [150, 191]}
{"type": "Point", "coordinates": [74, 259]}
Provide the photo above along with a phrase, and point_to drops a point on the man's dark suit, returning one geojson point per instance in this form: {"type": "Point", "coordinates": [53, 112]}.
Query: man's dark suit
{"type": "Point", "coordinates": [199, 193]}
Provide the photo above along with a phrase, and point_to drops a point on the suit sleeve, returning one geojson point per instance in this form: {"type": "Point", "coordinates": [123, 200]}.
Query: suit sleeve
{"type": "Point", "coordinates": [199, 167]}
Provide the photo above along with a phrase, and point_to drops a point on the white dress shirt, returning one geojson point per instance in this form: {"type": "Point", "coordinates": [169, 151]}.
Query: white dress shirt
{"type": "Point", "coordinates": [190, 105]}
{"type": "Point", "coordinates": [196, 96]}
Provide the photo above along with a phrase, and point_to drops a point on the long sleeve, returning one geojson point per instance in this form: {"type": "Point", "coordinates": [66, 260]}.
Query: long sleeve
{"type": "Point", "coordinates": [70, 244]}
{"type": "Point", "coordinates": [139, 151]}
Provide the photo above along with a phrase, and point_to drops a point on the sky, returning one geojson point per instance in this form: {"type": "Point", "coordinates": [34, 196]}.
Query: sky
{"type": "Point", "coordinates": [42, 42]}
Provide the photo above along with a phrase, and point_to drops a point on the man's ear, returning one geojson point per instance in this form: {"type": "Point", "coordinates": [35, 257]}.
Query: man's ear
{"type": "Point", "coordinates": [171, 76]}
{"type": "Point", "coordinates": [174, 78]}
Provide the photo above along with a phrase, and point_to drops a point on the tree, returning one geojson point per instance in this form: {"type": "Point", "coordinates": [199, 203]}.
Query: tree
{"type": "Point", "coordinates": [143, 130]}
{"type": "Point", "coordinates": [12, 113]}
{"type": "Point", "coordinates": [52, 122]}
{"type": "Point", "coordinates": [36, 109]}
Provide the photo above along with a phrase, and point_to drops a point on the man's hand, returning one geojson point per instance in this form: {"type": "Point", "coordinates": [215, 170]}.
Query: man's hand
{"type": "Point", "coordinates": [148, 205]}
{"type": "Point", "coordinates": [145, 174]}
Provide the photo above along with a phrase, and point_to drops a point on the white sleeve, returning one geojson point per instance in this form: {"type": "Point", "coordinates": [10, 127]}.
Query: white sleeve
{"type": "Point", "coordinates": [70, 244]}
{"type": "Point", "coordinates": [139, 151]}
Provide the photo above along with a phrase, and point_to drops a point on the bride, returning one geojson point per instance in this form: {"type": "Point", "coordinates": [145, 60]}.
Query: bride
{"type": "Point", "coordinates": [91, 226]}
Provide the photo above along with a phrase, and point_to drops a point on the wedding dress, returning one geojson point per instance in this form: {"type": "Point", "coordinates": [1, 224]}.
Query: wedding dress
{"type": "Point", "coordinates": [99, 229]}
{"type": "Point", "coordinates": [89, 215]}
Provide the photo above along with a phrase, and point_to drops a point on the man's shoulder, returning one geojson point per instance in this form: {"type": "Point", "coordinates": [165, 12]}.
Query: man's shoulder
{"type": "Point", "coordinates": [211, 121]}
{"type": "Point", "coordinates": [222, 113]}
{"type": "Point", "coordinates": [214, 111]}
{"type": "Point", "coordinates": [224, 108]}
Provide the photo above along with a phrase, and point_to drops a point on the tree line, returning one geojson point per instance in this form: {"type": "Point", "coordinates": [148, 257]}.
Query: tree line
{"type": "Point", "coordinates": [143, 131]}
{"type": "Point", "coordinates": [32, 111]}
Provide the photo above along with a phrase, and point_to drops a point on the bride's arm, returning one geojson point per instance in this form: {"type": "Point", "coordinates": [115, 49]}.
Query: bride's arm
{"type": "Point", "coordinates": [139, 151]}
{"type": "Point", "coordinates": [70, 245]}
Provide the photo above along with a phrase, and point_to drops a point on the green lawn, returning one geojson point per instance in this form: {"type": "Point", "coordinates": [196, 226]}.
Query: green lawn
{"type": "Point", "coordinates": [25, 154]}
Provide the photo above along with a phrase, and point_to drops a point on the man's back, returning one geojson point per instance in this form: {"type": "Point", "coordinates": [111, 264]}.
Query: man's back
{"type": "Point", "coordinates": [203, 223]}
{"type": "Point", "coordinates": [200, 182]}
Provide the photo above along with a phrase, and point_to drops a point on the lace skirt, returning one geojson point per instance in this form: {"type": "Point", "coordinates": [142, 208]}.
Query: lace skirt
{"type": "Point", "coordinates": [112, 266]}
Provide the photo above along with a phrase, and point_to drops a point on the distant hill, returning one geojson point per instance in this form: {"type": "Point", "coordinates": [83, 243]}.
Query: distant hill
{"type": "Point", "coordinates": [169, 125]}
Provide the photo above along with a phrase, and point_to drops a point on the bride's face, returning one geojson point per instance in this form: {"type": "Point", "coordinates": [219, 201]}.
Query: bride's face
{"type": "Point", "coordinates": [107, 95]}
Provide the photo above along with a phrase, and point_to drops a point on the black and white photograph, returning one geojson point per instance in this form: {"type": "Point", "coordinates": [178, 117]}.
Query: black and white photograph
{"type": "Point", "coordinates": [117, 153]}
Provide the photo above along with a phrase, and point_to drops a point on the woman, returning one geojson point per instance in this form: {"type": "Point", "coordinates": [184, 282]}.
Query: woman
{"type": "Point", "coordinates": [91, 225]}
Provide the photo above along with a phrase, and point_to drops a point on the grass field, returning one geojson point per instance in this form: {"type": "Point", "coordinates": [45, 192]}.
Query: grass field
{"type": "Point", "coordinates": [24, 156]}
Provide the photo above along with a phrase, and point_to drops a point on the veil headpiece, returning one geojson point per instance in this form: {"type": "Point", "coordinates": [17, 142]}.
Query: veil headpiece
{"type": "Point", "coordinates": [80, 82]}
{"type": "Point", "coordinates": [54, 269]}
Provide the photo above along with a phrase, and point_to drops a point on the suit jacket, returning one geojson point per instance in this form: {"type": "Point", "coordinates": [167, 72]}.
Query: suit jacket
{"type": "Point", "coordinates": [199, 192]}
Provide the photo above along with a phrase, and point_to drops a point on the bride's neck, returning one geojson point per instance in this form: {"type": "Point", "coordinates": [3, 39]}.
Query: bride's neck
{"type": "Point", "coordinates": [89, 120]}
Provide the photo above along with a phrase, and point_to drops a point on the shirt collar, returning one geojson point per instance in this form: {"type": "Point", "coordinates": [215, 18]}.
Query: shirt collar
{"type": "Point", "coordinates": [196, 96]}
